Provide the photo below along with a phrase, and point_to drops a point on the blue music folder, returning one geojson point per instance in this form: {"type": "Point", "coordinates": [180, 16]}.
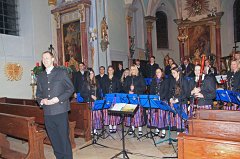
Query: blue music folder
{"type": "Point", "coordinates": [223, 95]}
{"type": "Point", "coordinates": [121, 98]}
{"type": "Point", "coordinates": [109, 98]}
{"type": "Point", "coordinates": [180, 111]}
{"type": "Point", "coordinates": [235, 97]}
{"type": "Point", "coordinates": [148, 81]}
{"type": "Point", "coordinates": [133, 99]}
{"type": "Point", "coordinates": [98, 105]}
{"type": "Point", "coordinates": [144, 101]}
{"type": "Point", "coordinates": [79, 98]}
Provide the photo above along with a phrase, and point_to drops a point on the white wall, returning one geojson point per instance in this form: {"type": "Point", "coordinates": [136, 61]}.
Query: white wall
{"type": "Point", "coordinates": [25, 49]}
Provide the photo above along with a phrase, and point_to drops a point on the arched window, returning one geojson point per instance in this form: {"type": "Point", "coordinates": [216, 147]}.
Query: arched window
{"type": "Point", "coordinates": [236, 16]}
{"type": "Point", "coordinates": [162, 30]}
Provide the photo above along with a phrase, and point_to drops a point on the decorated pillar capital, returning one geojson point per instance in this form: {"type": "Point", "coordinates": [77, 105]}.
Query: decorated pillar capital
{"type": "Point", "coordinates": [57, 18]}
{"type": "Point", "coordinates": [149, 22]}
{"type": "Point", "coordinates": [129, 19]}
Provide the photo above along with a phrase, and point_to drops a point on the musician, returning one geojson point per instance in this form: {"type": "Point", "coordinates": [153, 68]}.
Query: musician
{"type": "Point", "coordinates": [90, 93]}
{"type": "Point", "coordinates": [203, 87]}
{"type": "Point", "coordinates": [78, 78]}
{"type": "Point", "coordinates": [101, 78]}
{"type": "Point", "coordinates": [168, 67]}
{"type": "Point", "coordinates": [159, 86]}
{"type": "Point", "coordinates": [210, 69]}
{"type": "Point", "coordinates": [135, 84]}
{"type": "Point", "coordinates": [151, 67]}
{"type": "Point", "coordinates": [111, 85]}
{"type": "Point", "coordinates": [123, 78]}
{"type": "Point", "coordinates": [233, 82]}
{"type": "Point", "coordinates": [178, 94]}
{"type": "Point", "coordinates": [187, 68]}
{"type": "Point", "coordinates": [141, 69]}
{"type": "Point", "coordinates": [118, 73]}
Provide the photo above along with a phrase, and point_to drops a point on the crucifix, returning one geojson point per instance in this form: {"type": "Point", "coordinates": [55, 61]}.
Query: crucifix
{"type": "Point", "coordinates": [235, 47]}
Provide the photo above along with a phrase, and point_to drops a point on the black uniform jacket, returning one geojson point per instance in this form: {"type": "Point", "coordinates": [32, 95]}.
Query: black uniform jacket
{"type": "Point", "coordinates": [56, 84]}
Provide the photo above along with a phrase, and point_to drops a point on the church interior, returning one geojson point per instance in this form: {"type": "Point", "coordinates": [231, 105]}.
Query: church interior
{"type": "Point", "coordinates": [120, 33]}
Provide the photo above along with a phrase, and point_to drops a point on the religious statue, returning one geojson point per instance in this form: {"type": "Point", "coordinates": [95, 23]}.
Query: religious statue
{"type": "Point", "coordinates": [104, 35]}
{"type": "Point", "coordinates": [132, 45]}
{"type": "Point", "coordinates": [196, 59]}
{"type": "Point", "coordinates": [104, 28]}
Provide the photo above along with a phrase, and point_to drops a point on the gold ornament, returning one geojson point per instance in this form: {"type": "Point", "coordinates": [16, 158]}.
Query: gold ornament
{"type": "Point", "coordinates": [13, 71]}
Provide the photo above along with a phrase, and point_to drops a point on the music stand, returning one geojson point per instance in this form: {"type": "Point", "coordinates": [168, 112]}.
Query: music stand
{"type": "Point", "coordinates": [132, 99]}
{"type": "Point", "coordinates": [79, 98]}
{"type": "Point", "coordinates": [170, 140]}
{"type": "Point", "coordinates": [223, 96]}
{"type": "Point", "coordinates": [108, 103]}
{"type": "Point", "coordinates": [123, 113]}
{"type": "Point", "coordinates": [145, 102]}
{"type": "Point", "coordinates": [98, 104]}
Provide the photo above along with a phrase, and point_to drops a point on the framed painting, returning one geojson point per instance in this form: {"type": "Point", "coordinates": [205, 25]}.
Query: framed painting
{"type": "Point", "coordinates": [72, 42]}
{"type": "Point", "coordinates": [199, 40]}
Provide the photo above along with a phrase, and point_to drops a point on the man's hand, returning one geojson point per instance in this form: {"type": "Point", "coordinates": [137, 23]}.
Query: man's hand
{"type": "Point", "coordinates": [199, 95]}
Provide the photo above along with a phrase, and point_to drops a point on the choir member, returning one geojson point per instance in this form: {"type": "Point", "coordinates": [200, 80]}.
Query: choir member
{"type": "Point", "coordinates": [204, 91]}
{"type": "Point", "coordinates": [209, 68]}
{"type": "Point", "coordinates": [90, 93]}
{"type": "Point", "coordinates": [140, 68]}
{"type": "Point", "coordinates": [118, 73]}
{"type": "Point", "coordinates": [111, 85]}
{"type": "Point", "coordinates": [151, 68]}
{"type": "Point", "coordinates": [168, 67]}
{"type": "Point", "coordinates": [135, 84]}
{"type": "Point", "coordinates": [187, 68]}
{"type": "Point", "coordinates": [233, 82]}
{"type": "Point", "coordinates": [78, 78]}
{"type": "Point", "coordinates": [123, 78]}
{"type": "Point", "coordinates": [178, 94]}
{"type": "Point", "coordinates": [159, 86]}
{"type": "Point", "coordinates": [101, 78]}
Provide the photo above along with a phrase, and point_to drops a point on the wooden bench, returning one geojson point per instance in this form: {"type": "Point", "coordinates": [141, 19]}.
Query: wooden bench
{"type": "Point", "coordinates": [33, 111]}
{"type": "Point", "coordinates": [221, 115]}
{"type": "Point", "coordinates": [23, 128]}
{"type": "Point", "coordinates": [192, 147]}
{"type": "Point", "coordinates": [214, 129]}
{"type": "Point", "coordinates": [80, 113]}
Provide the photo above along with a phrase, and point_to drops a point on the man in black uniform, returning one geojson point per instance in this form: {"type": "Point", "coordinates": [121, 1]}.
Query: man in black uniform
{"type": "Point", "coordinates": [101, 78]}
{"type": "Point", "coordinates": [151, 68]}
{"type": "Point", "coordinates": [54, 88]}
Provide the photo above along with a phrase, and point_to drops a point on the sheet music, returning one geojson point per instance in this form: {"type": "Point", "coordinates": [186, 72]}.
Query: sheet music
{"type": "Point", "coordinates": [129, 107]}
{"type": "Point", "coordinates": [118, 106]}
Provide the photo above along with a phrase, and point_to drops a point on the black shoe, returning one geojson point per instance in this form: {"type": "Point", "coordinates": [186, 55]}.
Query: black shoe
{"type": "Point", "coordinates": [110, 130]}
{"type": "Point", "coordinates": [156, 133]}
{"type": "Point", "coordinates": [130, 132]}
{"type": "Point", "coordinates": [163, 136]}
{"type": "Point", "coordinates": [114, 131]}
{"type": "Point", "coordinates": [140, 133]}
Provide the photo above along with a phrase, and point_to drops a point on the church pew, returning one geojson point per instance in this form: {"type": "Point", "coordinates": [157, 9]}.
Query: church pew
{"type": "Point", "coordinates": [214, 129]}
{"type": "Point", "coordinates": [80, 113]}
{"type": "Point", "coordinates": [32, 111]}
{"type": "Point", "coordinates": [192, 147]}
{"type": "Point", "coordinates": [221, 115]}
{"type": "Point", "coordinates": [22, 128]}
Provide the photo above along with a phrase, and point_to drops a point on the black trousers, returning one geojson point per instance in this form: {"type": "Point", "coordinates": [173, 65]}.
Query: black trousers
{"type": "Point", "coordinates": [58, 132]}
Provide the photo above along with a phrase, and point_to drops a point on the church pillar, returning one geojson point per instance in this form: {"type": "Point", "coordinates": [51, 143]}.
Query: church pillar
{"type": "Point", "coordinates": [149, 23]}
{"type": "Point", "coordinates": [59, 38]}
{"type": "Point", "coordinates": [218, 44]}
{"type": "Point", "coordinates": [182, 37]}
{"type": "Point", "coordinates": [84, 43]}
{"type": "Point", "coordinates": [129, 31]}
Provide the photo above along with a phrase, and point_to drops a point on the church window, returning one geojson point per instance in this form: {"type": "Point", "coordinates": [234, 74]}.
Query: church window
{"type": "Point", "coordinates": [162, 30]}
{"type": "Point", "coordinates": [8, 17]}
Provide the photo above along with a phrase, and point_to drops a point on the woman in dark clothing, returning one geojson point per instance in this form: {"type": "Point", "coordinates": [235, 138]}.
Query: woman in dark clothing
{"type": "Point", "coordinates": [90, 93]}
{"type": "Point", "coordinates": [135, 84]}
{"type": "Point", "coordinates": [178, 94]}
{"type": "Point", "coordinates": [112, 85]}
{"type": "Point", "coordinates": [159, 86]}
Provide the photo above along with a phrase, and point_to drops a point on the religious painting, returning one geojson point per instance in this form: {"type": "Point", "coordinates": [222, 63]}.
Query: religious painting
{"type": "Point", "coordinates": [199, 40]}
{"type": "Point", "coordinates": [72, 43]}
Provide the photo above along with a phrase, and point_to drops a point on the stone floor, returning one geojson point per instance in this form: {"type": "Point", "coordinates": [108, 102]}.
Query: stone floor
{"type": "Point", "coordinates": [143, 149]}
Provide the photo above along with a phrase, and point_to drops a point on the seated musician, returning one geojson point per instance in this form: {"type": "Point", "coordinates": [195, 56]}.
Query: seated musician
{"type": "Point", "coordinates": [178, 93]}
{"type": "Point", "coordinates": [90, 93]}
{"type": "Point", "coordinates": [204, 91]}
{"type": "Point", "coordinates": [233, 83]}
{"type": "Point", "coordinates": [159, 86]}
{"type": "Point", "coordinates": [135, 84]}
